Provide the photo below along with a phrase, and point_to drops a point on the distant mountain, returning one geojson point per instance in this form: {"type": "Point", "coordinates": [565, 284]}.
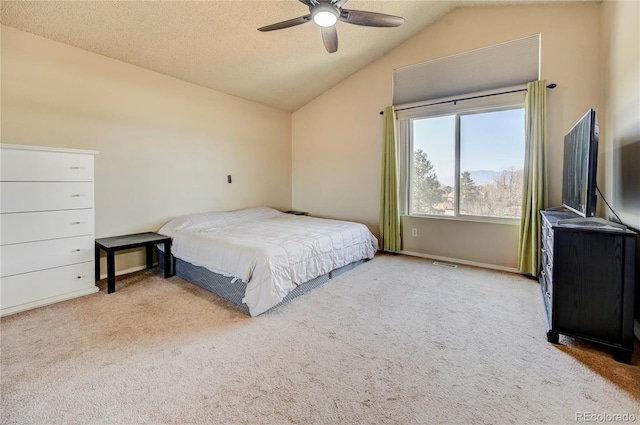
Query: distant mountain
{"type": "Point", "coordinates": [479, 177]}
{"type": "Point", "coordinates": [482, 177]}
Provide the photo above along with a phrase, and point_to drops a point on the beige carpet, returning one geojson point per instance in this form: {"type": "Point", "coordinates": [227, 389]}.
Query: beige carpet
{"type": "Point", "coordinates": [398, 340]}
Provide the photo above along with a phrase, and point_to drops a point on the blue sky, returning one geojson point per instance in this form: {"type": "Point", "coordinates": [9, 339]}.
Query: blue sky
{"type": "Point", "coordinates": [489, 141]}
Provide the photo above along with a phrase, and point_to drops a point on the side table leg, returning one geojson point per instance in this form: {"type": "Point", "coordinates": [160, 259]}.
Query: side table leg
{"type": "Point", "coordinates": [97, 263]}
{"type": "Point", "coordinates": [167, 259]}
{"type": "Point", "coordinates": [111, 272]}
{"type": "Point", "coordinates": [149, 255]}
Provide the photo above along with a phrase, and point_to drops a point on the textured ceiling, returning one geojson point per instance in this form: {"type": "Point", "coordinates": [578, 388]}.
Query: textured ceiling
{"type": "Point", "coordinates": [216, 44]}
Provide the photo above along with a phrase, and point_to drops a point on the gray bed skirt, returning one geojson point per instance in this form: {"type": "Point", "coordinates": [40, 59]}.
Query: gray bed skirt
{"type": "Point", "coordinates": [233, 289]}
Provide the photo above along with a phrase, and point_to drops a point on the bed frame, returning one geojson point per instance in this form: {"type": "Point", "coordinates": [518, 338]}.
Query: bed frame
{"type": "Point", "coordinates": [232, 289]}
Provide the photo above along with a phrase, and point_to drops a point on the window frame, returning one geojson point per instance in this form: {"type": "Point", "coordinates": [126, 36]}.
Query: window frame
{"type": "Point", "coordinates": [439, 108]}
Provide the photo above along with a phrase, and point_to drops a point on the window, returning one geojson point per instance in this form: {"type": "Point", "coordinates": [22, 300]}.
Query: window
{"type": "Point", "coordinates": [464, 161]}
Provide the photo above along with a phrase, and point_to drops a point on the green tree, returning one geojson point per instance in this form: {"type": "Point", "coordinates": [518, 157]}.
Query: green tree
{"type": "Point", "coordinates": [426, 191]}
{"type": "Point", "coordinates": [469, 193]}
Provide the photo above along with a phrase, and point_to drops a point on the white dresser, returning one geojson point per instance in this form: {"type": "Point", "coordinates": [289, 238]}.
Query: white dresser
{"type": "Point", "coordinates": [47, 235]}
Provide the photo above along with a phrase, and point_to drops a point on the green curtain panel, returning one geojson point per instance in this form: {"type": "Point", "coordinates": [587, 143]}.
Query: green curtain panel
{"type": "Point", "coordinates": [534, 189]}
{"type": "Point", "coordinates": [389, 214]}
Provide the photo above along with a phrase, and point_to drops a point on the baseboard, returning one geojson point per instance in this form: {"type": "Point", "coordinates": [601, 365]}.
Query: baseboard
{"type": "Point", "coordinates": [125, 271]}
{"type": "Point", "coordinates": [459, 261]}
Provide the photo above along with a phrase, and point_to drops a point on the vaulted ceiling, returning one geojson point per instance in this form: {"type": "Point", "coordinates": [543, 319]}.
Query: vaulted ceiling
{"type": "Point", "coordinates": [216, 44]}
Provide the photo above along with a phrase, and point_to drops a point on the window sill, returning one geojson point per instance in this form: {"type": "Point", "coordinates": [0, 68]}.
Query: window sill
{"type": "Point", "coordinates": [473, 219]}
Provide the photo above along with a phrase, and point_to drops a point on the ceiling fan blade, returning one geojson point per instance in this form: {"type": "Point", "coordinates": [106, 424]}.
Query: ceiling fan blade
{"type": "Point", "coordinates": [370, 19]}
{"type": "Point", "coordinates": [330, 38]}
{"type": "Point", "coordinates": [339, 3]}
{"type": "Point", "coordinates": [286, 24]}
{"type": "Point", "coordinates": [309, 3]}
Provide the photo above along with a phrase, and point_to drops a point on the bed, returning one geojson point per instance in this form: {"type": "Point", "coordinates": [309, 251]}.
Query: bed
{"type": "Point", "coordinates": [260, 257]}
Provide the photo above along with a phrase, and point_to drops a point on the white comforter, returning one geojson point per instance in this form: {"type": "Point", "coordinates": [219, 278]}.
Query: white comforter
{"type": "Point", "coordinates": [271, 251]}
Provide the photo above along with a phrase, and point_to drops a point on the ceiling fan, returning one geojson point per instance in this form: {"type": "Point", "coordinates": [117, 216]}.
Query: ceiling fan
{"type": "Point", "coordinates": [325, 13]}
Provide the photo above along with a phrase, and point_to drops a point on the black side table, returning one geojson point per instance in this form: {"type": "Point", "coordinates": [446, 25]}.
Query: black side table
{"type": "Point", "coordinates": [138, 240]}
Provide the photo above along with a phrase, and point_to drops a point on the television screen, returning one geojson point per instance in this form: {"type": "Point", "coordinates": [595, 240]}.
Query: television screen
{"type": "Point", "coordinates": [580, 161]}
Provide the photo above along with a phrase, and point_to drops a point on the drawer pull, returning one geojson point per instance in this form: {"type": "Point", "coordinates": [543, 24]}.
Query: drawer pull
{"type": "Point", "coordinates": [81, 277]}
{"type": "Point", "coordinates": [76, 168]}
{"type": "Point", "coordinates": [76, 250]}
{"type": "Point", "coordinates": [75, 195]}
{"type": "Point", "coordinates": [78, 222]}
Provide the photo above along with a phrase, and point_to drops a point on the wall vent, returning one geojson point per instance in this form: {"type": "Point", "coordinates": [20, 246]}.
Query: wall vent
{"type": "Point", "coordinates": [451, 266]}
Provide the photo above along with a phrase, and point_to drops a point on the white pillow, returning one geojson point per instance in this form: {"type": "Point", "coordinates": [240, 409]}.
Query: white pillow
{"type": "Point", "coordinates": [216, 219]}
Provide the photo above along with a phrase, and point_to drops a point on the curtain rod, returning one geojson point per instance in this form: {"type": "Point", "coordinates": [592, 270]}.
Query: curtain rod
{"type": "Point", "coordinates": [549, 86]}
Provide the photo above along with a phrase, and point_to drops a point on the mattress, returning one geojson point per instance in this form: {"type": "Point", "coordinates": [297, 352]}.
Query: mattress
{"type": "Point", "coordinates": [271, 251]}
{"type": "Point", "coordinates": [233, 289]}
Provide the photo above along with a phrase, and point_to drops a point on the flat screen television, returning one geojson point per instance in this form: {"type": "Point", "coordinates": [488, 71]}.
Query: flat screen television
{"type": "Point", "coordinates": [579, 166]}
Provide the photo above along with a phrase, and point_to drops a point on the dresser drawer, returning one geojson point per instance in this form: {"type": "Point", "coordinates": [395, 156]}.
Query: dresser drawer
{"type": "Point", "coordinates": [547, 255]}
{"type": "Point", "coordinates": [33, 165]}
{"type": "Point", "coordinates": [31, 287]}
{"type": "Point", "coordinates": [547, 237]}
{"type": "Point", "coordinates": [546, 296]}
{"type": "Point", "coordinates": [39, 226]}
{"type": "Point", "coordinates": [33, 256]}
{"type": "Point", "coordinates": [45, 196]}
{"type": "Point", "coordinates": [548, 274]}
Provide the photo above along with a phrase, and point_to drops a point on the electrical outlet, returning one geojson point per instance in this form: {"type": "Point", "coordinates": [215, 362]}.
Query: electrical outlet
{"type": "Point", "coordinates": [414, 232]}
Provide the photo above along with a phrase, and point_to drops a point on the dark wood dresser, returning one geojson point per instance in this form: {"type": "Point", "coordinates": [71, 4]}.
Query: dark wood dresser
{"type": "Point", "coordinates": [587, 281]}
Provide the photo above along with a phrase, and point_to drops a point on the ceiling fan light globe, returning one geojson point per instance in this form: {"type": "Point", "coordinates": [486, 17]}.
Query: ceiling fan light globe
{"type": "Point", "coordinates": [325, 16]}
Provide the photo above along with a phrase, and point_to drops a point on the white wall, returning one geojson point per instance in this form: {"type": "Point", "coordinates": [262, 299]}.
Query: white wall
{"type": "Point", "coordinates": [620, 139]}
{"type": "Point", "coordinates": [336, 139]}
{"type": "Point", "coordinates": [166, 146]}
